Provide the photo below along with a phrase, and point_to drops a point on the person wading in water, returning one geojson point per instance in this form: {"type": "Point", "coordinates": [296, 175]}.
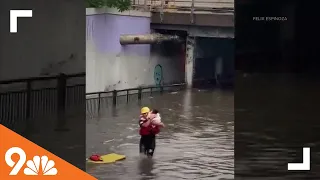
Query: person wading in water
{"type": "Point", "coordinates": [148, 131]}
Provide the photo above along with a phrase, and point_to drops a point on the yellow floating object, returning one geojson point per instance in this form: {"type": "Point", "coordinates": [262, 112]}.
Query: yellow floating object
{"type": "Point", "coordinates": [109, 158]}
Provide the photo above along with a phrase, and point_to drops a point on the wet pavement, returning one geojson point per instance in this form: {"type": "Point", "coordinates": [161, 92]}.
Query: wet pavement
{"type": "Point", "coordinates": [197, 143]}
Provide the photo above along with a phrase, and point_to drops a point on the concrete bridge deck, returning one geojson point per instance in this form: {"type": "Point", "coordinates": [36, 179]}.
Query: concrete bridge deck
{"type": "Point", "coordinates": [202, 5]}
{"type": "Point", "coordinates": [218, 13]}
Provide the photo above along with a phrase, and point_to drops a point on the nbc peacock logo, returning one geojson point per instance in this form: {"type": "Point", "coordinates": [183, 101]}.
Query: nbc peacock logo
{"type": "Point", "coordinates": [23, 159]}
{"type": "Point", "coordinates": [47, 166]}
{"type": "Point", "coordinates": [33, 166]}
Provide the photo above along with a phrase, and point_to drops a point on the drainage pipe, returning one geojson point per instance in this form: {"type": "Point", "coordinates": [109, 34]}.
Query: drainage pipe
{"type": "Point", "coordinates": [147, 38]}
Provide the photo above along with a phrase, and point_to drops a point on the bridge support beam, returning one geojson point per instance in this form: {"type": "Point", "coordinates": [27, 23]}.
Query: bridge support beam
{"type": "Point", "coordinates": [190, 58]}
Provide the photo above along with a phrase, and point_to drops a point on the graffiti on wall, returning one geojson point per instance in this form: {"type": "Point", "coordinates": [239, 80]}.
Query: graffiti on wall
{"type": "Point", "coordinates": [158, 75]}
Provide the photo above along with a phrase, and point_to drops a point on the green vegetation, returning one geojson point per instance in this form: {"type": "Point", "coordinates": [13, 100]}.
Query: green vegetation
{"type": "Point", "coordinates": [121, 5]}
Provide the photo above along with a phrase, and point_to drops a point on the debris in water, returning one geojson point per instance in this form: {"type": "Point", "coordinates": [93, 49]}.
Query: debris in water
{"type": "Point", "coordinates": [183, 116]}
{"type": "Point", "coordinates": [105, 142]}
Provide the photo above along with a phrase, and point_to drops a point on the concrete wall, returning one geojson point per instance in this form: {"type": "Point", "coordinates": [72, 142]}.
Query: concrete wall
{"type": "Point", "coordinates": [42, 48]}
{"type": "Point", "coordinates": [111, 66]}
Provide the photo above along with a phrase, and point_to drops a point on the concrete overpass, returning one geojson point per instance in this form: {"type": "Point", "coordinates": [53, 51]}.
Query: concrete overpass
{"type": "Point", "coordinates": [189, 12]}
{"type": "Point", "coordinates": [202, 20]}
{"type": "Point", "coordinates": [206, 58]}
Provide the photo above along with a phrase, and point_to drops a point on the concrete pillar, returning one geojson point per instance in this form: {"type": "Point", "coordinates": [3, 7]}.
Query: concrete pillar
{"type": "Point", "coordinates": [218, 69]}
{"type": "Point", "coordinates": [190, 58]}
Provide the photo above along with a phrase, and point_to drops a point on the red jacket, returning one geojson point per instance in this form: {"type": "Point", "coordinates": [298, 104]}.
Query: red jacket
{"type": "Point", "coordinates": [149, 130]}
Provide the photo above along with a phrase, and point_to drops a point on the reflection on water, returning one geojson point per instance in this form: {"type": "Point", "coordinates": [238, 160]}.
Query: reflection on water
{"type": "Point", "coordinates": [197, 142]}
{"type": "Point", "coordinates": [277, 116]}
{"type": "Point", "coordinates": [146, 168]}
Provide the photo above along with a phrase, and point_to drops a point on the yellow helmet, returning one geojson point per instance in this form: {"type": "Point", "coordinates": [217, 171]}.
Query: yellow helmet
{"type": "Point", "coordinates": [145, 110]}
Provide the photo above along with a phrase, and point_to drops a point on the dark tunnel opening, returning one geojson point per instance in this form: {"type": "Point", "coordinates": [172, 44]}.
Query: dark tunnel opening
{"type": "Point", "coordinates": [214, 62]}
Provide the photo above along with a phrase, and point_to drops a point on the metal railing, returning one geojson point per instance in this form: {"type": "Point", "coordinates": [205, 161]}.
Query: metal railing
{"type": "Point", "coordinates": [184, 5]}
{"type": "Point", "coordinates": [24, 99]}
{"type": "Point", "coordinates": [98, 100]}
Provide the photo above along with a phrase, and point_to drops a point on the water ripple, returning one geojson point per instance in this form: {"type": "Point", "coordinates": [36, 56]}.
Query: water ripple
{"type": "Point", "coordinates": [197, 142]}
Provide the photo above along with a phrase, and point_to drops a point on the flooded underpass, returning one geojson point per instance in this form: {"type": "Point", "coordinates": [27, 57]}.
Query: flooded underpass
{"type": "Point", "coordinates": [197, 142]}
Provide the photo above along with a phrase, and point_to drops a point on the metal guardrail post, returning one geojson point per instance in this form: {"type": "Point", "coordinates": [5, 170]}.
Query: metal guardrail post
{"type": "Point", "coordinates": [99, 102]}
{"type": "Point", "coordinates": [161, 11]}
{"type": "Point", "coordinates": [114, 97]}
{"type": "Point", "coordinates": [61, 102]}
{"type": "Point", "coordinates": [127, 96]}
{"type": "Point", "coordinates": [29, 125]}
{"type": "Point", "coordinates": [145, 5]}
{"type": "Point", "coordinates": [192, 12]}
{"type": "Point", "coordinates": [139, 93]}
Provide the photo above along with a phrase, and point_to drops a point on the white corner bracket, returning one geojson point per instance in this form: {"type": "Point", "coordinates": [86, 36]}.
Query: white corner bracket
{"type": "Point", "coordinates": [14, 15]}
{"type": "Point", "coordinates": [305, 165]}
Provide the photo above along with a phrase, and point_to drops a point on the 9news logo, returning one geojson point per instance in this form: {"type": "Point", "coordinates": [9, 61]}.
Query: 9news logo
{"type": "Point", "coordinates": [33, 166]}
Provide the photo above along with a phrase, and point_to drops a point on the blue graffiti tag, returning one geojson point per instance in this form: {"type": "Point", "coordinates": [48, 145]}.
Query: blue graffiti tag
{"type": "Point", "coordinates": [158, 77]}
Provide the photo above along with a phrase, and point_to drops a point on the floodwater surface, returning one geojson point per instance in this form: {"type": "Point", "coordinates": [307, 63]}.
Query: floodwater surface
{"type": "Point", "coordinates": [197, 142]}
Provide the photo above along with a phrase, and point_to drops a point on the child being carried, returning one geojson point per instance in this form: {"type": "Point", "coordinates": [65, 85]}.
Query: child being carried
{"type": "Point", "coordinates": [155, 118]}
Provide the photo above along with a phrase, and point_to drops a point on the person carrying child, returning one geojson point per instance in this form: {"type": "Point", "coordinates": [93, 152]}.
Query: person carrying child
{"type": "Point", "coordinates": [150, 124]}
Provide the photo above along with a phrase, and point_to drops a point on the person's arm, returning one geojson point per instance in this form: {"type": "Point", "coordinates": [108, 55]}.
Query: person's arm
{"type": "Point", "coordinates": [144, 123]}
{"type": "Point", "coordinates": [160, 124]}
